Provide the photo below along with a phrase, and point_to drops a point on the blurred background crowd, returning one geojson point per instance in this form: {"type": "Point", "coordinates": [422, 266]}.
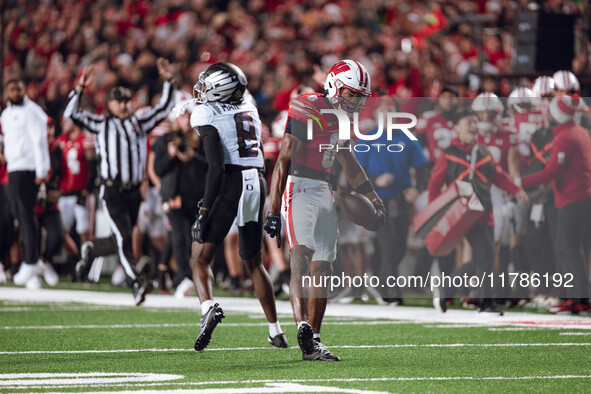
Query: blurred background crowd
{"type": "Point", "coordinates": [411, 49]}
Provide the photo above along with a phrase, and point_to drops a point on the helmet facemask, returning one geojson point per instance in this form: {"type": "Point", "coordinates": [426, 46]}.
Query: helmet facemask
{"type": "Point", "coordinates": [201, 87]}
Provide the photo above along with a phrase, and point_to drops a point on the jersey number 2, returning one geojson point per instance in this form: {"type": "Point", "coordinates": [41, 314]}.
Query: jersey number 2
{"type": "Point", "coordinates": [246, 133]}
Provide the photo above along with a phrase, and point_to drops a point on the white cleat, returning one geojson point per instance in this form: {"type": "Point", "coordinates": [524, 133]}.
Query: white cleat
{"type": "Point", "coordinates": [27, 271]}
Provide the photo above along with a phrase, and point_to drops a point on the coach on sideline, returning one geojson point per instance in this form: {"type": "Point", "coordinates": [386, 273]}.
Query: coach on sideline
{"type": "Point", "coordinates": [569, 169]}
{"type": "Point", "coordinates": [24, 125]}
{"type": "Point", "coordinates": [121, 144]}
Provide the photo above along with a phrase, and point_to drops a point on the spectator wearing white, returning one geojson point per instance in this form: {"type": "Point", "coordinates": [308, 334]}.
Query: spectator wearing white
{"type": "Point", "coordinates": [24, 125]}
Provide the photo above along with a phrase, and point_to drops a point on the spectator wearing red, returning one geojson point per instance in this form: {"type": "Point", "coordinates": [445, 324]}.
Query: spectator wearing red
{"type": "Point", "coordinates": [569, 170]}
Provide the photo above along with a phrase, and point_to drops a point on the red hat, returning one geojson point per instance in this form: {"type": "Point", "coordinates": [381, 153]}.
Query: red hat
{"type": "Point", "coordinates": [563, 108]}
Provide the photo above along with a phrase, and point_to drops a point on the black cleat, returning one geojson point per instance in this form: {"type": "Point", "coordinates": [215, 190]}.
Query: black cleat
{"type": "Point", "coordinates": [208, 323]}
{"type": "Point", "coordinates": [306, 339]}
{"type": "Point", "coordinates": [85, 263]}
{"type": "Point", "coordinates": [140, 287]}
{"type": "Point", "coordinates": [321, 353]}
{"type": "Point", "coordinates": [278, 340]}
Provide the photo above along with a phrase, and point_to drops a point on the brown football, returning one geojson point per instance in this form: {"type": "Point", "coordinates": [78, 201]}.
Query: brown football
{"type": "Point", "coordinates": [358, 208]}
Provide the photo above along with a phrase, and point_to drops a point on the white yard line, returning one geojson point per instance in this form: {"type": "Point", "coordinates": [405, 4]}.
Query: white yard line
{"type": "Point", "coordinates": [274, 382]}
{"type": "Point", "coordinates": [408, 345]}
{"type": "Point", "coordinates": [575, 333]}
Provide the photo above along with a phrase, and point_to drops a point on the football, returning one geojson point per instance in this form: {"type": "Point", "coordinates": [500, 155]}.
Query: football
{"type": "Point", "coordinates": [358, 208]}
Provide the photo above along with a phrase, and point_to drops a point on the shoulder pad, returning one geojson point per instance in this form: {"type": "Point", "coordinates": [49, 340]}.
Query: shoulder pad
{"type": "Point", "coordinates": [202, 115]}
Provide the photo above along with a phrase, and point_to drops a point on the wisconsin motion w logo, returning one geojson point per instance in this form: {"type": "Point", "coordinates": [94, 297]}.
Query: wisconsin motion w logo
{"type": "Point", "coordinates": [387, 122]}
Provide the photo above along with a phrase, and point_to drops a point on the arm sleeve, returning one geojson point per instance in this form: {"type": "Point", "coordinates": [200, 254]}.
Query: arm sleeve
{"type": "Point", "coordinates": [553, 167]}
{"type": "Point", "coordinates": [151, 118]}
{"type": "Point", "coordinates": [504, 181]}
{"type": "Point", "coordinates": [82, 119]}
{"type": "Point", "coordinates": [296, 128]}
{"type": "Point", "coordinates": [418, 158]}
{"type": "Point", "coordinates": [37, 130]}
{"type": "Point", "coordinates": [214, 153]}
{"type": "Point", "coordinates": [437, 178]}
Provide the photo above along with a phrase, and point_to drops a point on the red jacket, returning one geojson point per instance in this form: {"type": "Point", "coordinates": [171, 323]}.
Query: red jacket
{"type": "Point", "coordinates": [569, 167]}
{"type": "Point", "coordinates": [439, 175]}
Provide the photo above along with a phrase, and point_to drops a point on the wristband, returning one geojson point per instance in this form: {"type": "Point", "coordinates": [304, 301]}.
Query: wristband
{"type": "Point", "coordinates": [364, 188]}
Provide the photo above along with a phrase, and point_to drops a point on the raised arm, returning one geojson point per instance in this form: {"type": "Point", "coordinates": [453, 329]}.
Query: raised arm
{"type": "Point", "coordinates": [151, 118]}
{"type": "Point", "coordinates": [79, 117]}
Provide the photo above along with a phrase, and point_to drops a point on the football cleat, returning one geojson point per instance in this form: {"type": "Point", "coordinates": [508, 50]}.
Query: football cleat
{"type": "Point", "coordinates": [321, 353]}
{"type": "Point", "coordinates": [140, 287]}
{"type": "Point", "coordinates": [208, 323]}
{"type": "Point", "coordinates": [83, 266]}
{"type": "Point", "coordinates": [278, 340]}
{"type": "Point", "coordinates": [306, 339]}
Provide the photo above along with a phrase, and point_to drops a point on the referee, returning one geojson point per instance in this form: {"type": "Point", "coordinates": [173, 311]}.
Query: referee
{"type": "Point", "coordinates": [122, 149]}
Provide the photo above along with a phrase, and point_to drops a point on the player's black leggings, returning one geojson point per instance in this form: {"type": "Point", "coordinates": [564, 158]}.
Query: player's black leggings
{"type": "Point", "coordinates": [180, 240]}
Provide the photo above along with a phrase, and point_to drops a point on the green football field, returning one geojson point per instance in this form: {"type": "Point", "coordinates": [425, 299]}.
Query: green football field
{"type": "Point", "coordinates": [82, 347]}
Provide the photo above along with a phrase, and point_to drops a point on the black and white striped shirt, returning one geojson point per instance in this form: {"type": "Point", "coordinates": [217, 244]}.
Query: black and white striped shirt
{"type": "Point", "coordinates": [121, 144]}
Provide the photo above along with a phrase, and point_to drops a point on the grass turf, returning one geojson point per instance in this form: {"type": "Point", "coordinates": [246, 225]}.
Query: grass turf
{"type": "Point", "coordinates": [369, 365]}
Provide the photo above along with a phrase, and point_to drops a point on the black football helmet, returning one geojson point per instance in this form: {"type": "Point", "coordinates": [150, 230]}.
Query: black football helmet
{"type": "Point", "coordinates": [221, 82]}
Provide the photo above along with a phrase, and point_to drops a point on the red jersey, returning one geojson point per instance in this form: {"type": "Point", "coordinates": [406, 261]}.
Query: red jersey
{"type": "Point", "coordinates": [438, 132]}
{"type": "Point", "coordinates": [525, 125]}
{"type": "Point", "coordinates": [569, 167]}
{"type": "Point", "coordinates": [74, 166]}
{"type": "Point", "coordinates": [316, 153]}
{"type": "Point", "coordinates": [499, 144]}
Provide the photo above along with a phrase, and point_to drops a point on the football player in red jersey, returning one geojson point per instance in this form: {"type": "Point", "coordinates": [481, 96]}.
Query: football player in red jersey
{"type": "Point", "coordinates": [437, 125]}
{"type": "Point", "coordinates": [77, 178]}
{"type": "Point", "coordinates": [496, 134]}
{"type": "Point", "coordinates": [303, 177]}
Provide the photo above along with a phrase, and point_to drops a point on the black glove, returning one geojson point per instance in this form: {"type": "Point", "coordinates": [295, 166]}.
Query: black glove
{"type": "Point", "coordinates": [381, 217]}
{"type": "Point", "coordinates": [198, 227]}
{"type": "Point", "coordinates": [273, 226]}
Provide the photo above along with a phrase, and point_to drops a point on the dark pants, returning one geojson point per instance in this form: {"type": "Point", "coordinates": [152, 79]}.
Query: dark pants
{"type": "Point", "coordinates": [391, 241]}
{"type": "Point", "coordinates": [481, 241]}
{"type": "Point", "coordinates": [52, 223]}
{"type": "Point", "coordinates": [180, 240]}
{"type": "Point", "coordinates": [574, 221]}
{"type": "Point", "coordinates": [121, 208]}
{"type": "Point", "coordinates": [22, 192]}
{"type": "Point", "coordinates": [540, 250]}
{"type": "Point", "coordinates": [6, 225]}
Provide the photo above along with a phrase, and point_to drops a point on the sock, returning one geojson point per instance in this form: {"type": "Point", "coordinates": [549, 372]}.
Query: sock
{"type": "Point", "coordinates": [317, 336]}
{"type": "Point", "coordinates": [274, 329]}
{"type": "Point", "coordinates": [205, 305]}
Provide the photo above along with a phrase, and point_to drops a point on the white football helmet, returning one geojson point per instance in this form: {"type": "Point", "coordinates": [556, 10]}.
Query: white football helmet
{"type": "Point", "coordinates": [350, 75]}
{"type": "Point", "coordinates": [544, 86]}
{"type": "Point", "coordinates": [522, 100]}
{"type": "Point", "coordinates": [566, 82]}
{"type": "Point", "coordinates": [488, 108]}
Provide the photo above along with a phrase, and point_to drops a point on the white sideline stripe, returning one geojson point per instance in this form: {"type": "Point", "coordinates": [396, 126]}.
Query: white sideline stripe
{"type": "Point", "coordinates": [420, 315]}
{"type": "Point", "coordinates": [168, 325]}
{"type": "Point", "coordinates": [228, 382]}
{"type": "Point", "coordinates": [410, 345]}
{"type": "Point", "coordinates": [575, 333]}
